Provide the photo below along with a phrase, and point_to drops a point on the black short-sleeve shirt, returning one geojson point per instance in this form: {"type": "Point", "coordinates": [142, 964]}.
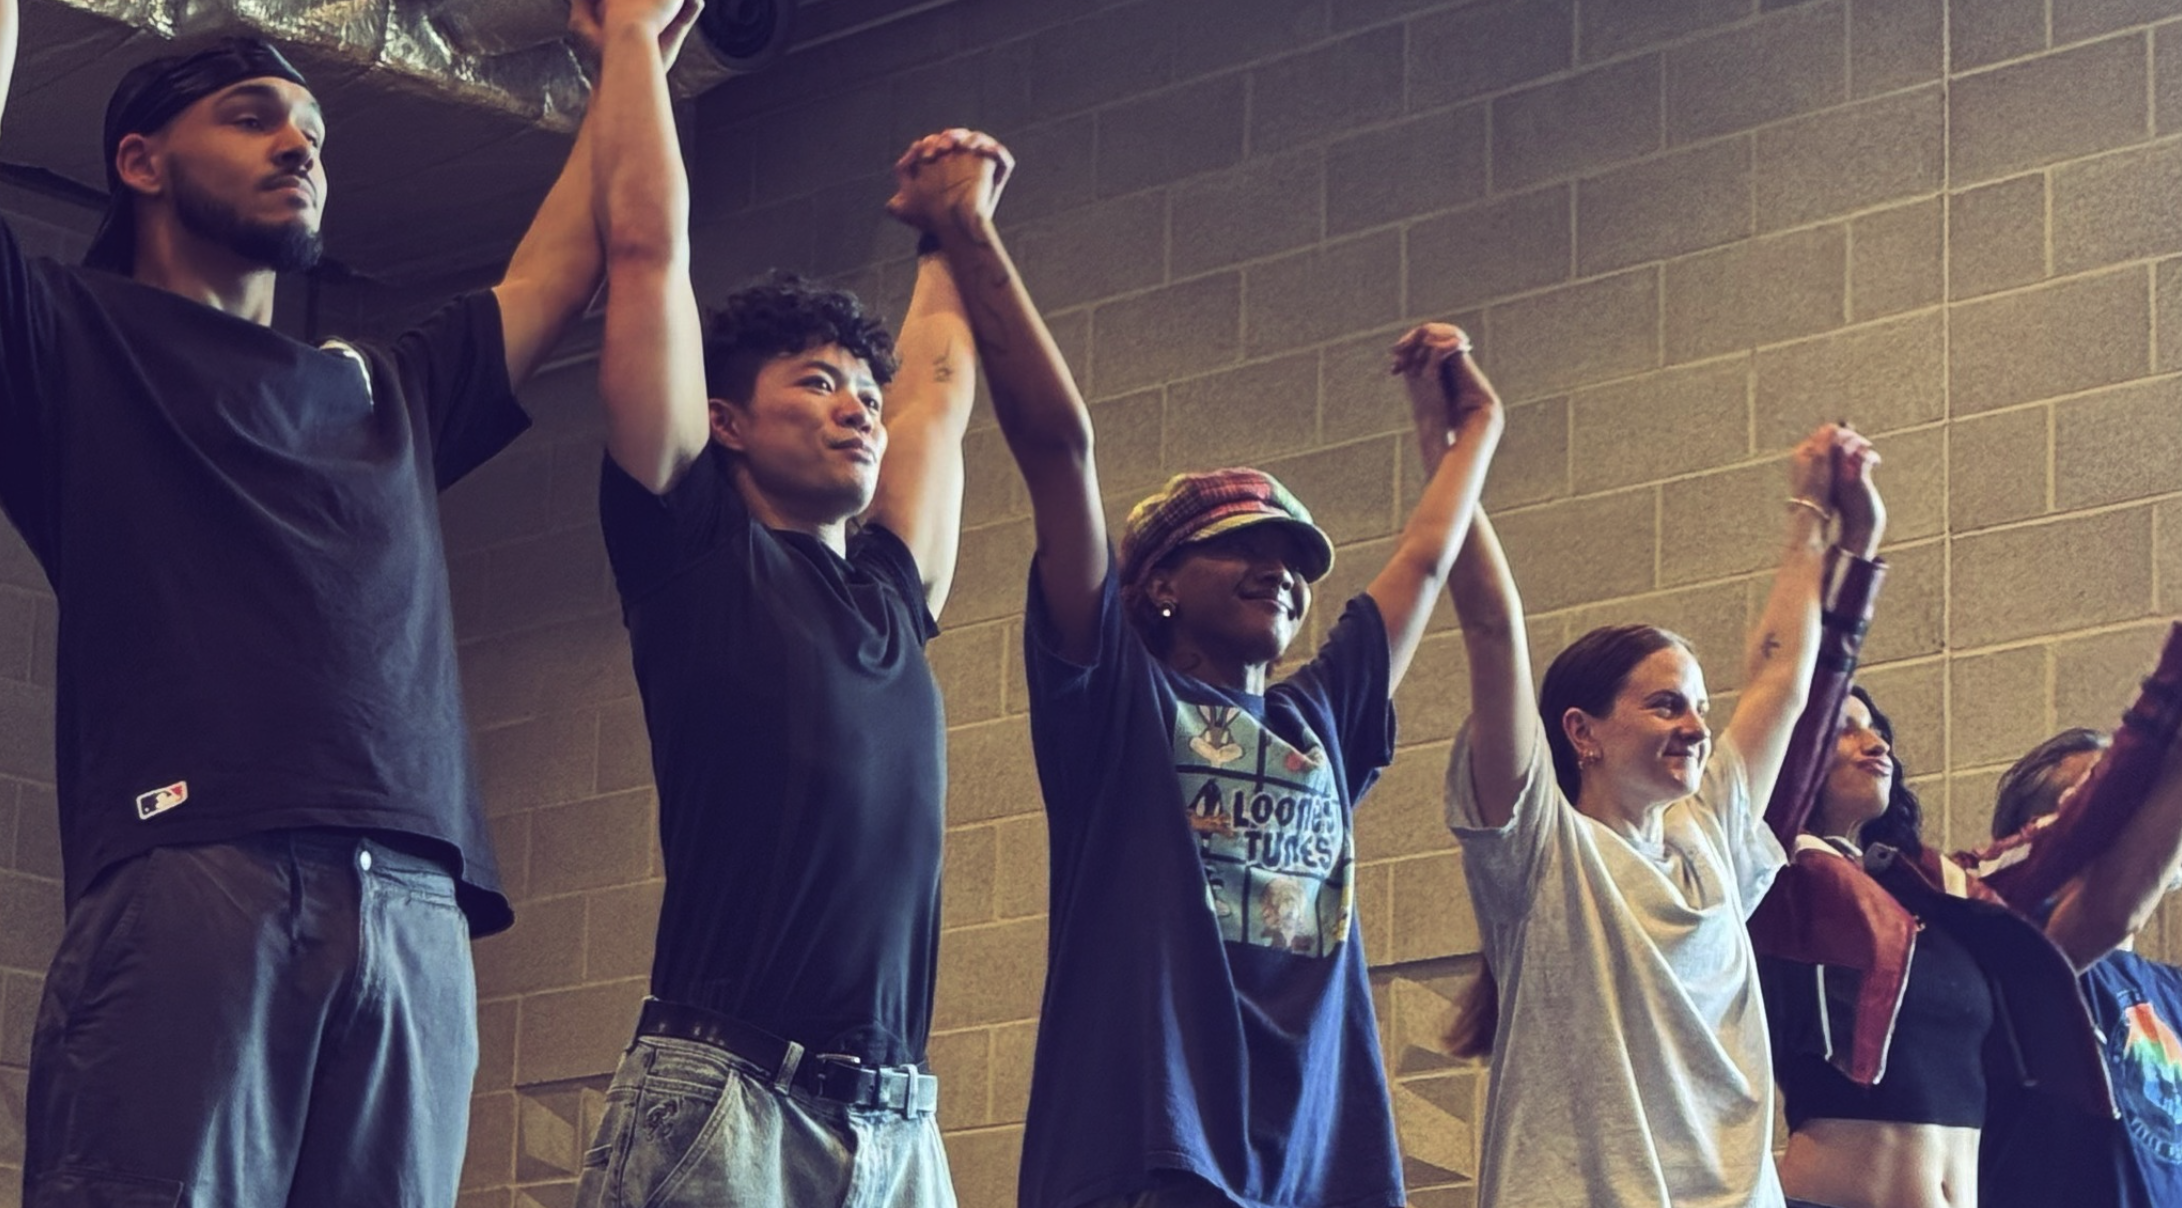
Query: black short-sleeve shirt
{"type": "Point", "coordinates": [243, 534]}
{"type": "Point", "coordinates": [800, 753]}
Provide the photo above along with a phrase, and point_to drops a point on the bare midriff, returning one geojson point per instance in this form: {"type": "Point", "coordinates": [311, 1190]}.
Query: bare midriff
{"type": "Point", "coordinates": [1881, 1164]}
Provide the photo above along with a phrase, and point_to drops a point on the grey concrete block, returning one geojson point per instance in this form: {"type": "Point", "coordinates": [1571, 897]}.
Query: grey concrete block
{"type": "Point", "coordinates": [1170, 135]}
{"type": "Point", "coordinates": [1242, 415]}
{"type": "Point", "coordinates": [1591, 331]}
{"type": "Point", "coordinates": [2053, 339]}
{"type": "Point", "coordinates": [1414, 167]}
{"type": "Point", "coordinates": [1790, 62]}
{"type": "Point", "coordinates": [1055, 168]}
{"type": "Point", "coordinates": [990, 974]}
{"type": "Point", "coordinates": [1266, 205]}
{"type": "Point", "coordinates": [1659, 425]}
{"type": "Point", "coordinates": [1484, 48]}
{"type": "Point", "coordinates": [565, 1034]}
{"type": "Point", "coordinates": [2118, 444]}
{"type": "Point", "coordinates": [1097, 251]}
{"type": "Point", "coordinates": [1994, 30]}
{"type": "Point", "coordinates": [2096, 677]}
{"type": "Point", "coordinates": [2167, 78]}
{"type": "Point", "coordinates": [825, 141]}
{"type": "Point", "coordinates": [1775, 288]}
{"type": "Point", "coordinates": [2001, 467]}
{"type": "Point", "coordinates": [591, 844]}
{"type": "Point", "coordinates": [2000, 708]}
{"type": "Point", "coordinates": [2075, 20]}
{"type": "Point", "coordinates": [1349, 488]}
{"type": "Point", "coordinates": [1577, 125]}
{"type": "Point", "coordinates": [1105, 56]}
{"type": "Point", "coordinates": [2098, 571]}
{"type": "Point", "coordinates": [1217, 34]}
{"type": "Point", "coordinates": [2117, 207]}
{"type": "Point", "coordinates": [1327, 90]}
{"type": "Point", "coordinates": [1895, 43]}
{"type": "Point", "coordinates": [989, 771]}
{"type": "Point", "coordinates": [1607, 28]}
{"type": "Point", "coordinates": [1850, 158]}
{"type": "Point", "coordinates": [2167, 287]}
{"type": "Point", "coordinates": [1145, 340]}
{"type": "Point", "coordinates": [1489, 251]}
{"type": "Point", "coordinates": [2060, 105]}
{"type": "Point", "coordinates": [1579, 551]}
{"type": "Point", "coordinates": [1317, 295]}
{"type": "Point", "coordinates": [1882, 377]}
{"type": "Point", "coordinates": [1896, 260]}
{"type": "Point", "coordinates": [1724, 523]}
{"type": "Point", "coordinates": [1997, 236]}
{"type": "Point", "coordinates": [1681, 202]}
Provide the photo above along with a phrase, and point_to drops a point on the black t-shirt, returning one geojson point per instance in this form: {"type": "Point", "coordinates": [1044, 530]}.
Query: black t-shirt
{"type": "Point", "coordinates": [243, 534]}
{"type": "Point", "coordinates": [800, 755]}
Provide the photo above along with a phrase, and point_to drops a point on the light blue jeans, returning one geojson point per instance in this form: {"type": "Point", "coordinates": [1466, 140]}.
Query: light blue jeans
{"type": "Point", "coordinates": [688, 1125]}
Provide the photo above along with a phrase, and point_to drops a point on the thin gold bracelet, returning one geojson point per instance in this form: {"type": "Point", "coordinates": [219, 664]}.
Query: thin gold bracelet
{"type": "Point", "coordinates": [1798, 501]}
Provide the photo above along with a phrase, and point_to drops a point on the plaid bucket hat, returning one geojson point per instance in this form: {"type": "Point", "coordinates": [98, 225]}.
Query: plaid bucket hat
{"type": "Point", "coordinates": [1201, 506]}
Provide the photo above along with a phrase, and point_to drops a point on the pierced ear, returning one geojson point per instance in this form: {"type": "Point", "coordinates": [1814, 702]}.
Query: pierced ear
{"type": "Point", "coordinates": [1576, 725]}
{"type": "Point", "coordinates": [138, 167]}
{"type": "Point", "coordinates": [727, 422]}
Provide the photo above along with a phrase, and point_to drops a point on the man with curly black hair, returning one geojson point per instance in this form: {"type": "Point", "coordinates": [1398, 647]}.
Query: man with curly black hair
{"type": "Point", "coordinates": [782, 537]}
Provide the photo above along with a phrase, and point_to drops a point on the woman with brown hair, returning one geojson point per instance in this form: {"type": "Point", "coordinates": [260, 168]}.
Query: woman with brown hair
{"type": "Point", "coordinates": [1614, 852]}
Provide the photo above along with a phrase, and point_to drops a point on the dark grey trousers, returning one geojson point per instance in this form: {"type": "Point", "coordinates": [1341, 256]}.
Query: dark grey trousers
{"type": "Point", "coordinates": [284, 1021]}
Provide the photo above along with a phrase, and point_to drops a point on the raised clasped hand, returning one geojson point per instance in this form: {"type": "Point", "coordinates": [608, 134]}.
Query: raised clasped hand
{"type": "Point", "coordinates": [668, 21]}
{"type": "Point", "coordinates": [1444, 384]}
{"type": "Point", "coordinates": [953, 177]}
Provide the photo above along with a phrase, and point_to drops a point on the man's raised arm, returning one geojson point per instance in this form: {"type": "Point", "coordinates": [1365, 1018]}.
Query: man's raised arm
{"type": "Point", "coordinates": [928, 403]}
{"type": "Point", "coordinates": [1041, 414]}
{"type": "Point", "coordinates": [651, 369]}
{"type": "Point", "coordinates": [11, 27]}
{"type": "Point", "coordinates": [555, 269]}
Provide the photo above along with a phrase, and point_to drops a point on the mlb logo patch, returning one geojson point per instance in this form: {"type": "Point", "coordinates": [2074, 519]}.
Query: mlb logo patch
{"type": "Point", "coordinates": [159, 801]}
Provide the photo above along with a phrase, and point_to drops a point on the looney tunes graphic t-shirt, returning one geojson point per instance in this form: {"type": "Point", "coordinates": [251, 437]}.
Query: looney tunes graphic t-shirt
{"type": "Point", "coordinates": [1206, 1003]}
{"type": "Point", "coordinates": [1271, 829]}
{"type": "Point", "coordinates": [2137, 1004]}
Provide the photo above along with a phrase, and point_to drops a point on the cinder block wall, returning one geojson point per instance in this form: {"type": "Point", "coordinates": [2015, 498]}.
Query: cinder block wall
{"type": "Point", "coordinates": [1683, 232]}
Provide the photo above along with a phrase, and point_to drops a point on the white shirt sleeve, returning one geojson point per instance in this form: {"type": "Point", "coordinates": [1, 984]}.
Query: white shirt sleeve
{"type": "Point", "coordinates": [1502, 862]}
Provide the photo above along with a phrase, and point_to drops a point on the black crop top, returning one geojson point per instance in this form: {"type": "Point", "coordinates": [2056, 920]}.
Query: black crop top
{"type": "Point", "coordinates": [1935, 1068]}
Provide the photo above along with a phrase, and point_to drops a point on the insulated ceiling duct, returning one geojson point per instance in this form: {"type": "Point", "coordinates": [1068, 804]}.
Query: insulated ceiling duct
{"type": "Point", "coordinates": [420, 187]}
{"type": "Point", "coordinates": [504, 55]}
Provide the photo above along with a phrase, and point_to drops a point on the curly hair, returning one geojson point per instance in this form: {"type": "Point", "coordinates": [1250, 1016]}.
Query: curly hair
{"type": "Point", "coordinates": [781, 316]}
{"type": "Point", "coordinates": [1900, 824]}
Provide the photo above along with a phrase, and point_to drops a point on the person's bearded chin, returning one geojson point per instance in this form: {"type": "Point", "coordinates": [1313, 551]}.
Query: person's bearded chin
{"type": "Point", "coordinates": [287, 247]}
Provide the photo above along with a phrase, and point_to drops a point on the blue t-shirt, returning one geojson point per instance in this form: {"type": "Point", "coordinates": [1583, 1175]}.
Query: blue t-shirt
{"type": "Point", "coordinates": [1207, 1007]}
{"type": "Point", "coordinates": [2137, 1004]}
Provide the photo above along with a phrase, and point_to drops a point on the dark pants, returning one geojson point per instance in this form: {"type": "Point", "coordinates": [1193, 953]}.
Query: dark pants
{"type": "Point", "coordinates": [288, 1019]}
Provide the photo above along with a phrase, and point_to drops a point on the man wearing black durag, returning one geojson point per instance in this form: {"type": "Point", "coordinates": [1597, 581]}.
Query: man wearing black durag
{"type": "Point", "coordinates": [274, 852]}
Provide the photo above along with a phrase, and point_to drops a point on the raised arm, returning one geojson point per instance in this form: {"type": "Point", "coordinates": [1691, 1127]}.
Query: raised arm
{"type": "Point", "coordinates": [2110, 853]}
{"type": "Point", "coordinates": [555, 269]}
{"type": "Point", "coordinates": [928, 402]}
{"type": "Point", "coordinates": [11, 22]}
{"type": "Point", "coordinates": [1459, 420]}
{"type": "Point", "coordinates": [1041, 414]}
{"type": "Point", "coordinates": [629, 171]}
{"type": "Point", "coordinates": [1783, 645]}
{"type": "Point", "coordinates": [1503, 707]}
{"type": "Point", "coordinates": [2118, 891]}
{"type": "Point", "coordinates": [1852, 578]}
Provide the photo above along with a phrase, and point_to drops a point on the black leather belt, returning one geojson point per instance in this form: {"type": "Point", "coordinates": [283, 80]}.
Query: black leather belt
{"type": "Point", "coordinates": [835, 1077]}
